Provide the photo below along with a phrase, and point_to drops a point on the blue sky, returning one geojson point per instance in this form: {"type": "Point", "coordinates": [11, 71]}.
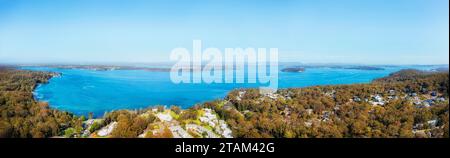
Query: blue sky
{"type": "Point", "coordinates": [308, 31]}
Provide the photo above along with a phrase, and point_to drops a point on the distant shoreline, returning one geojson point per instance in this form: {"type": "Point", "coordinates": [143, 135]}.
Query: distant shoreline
{"type": "Point", "coordinates": [167, 68]}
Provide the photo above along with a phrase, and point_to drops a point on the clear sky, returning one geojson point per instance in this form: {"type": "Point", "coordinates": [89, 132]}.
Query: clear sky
{"type": "Point", "coordinates": [308, 31]}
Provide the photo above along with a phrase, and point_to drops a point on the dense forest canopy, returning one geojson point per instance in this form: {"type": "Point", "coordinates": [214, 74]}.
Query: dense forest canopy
{"type": "Point", "coordinates": [408, 103]}
{"type": "Point", "coordinates": [21, 116]}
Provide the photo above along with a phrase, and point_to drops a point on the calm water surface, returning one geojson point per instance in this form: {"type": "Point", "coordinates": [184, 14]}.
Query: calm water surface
{"type": "Point", "coordinates": [82, 91]}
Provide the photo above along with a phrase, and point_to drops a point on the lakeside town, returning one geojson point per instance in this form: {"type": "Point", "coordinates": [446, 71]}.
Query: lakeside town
{"type": "Point", "coordinates": [207, 124]}
{"type": "Point", "coordinates": [167, 124]}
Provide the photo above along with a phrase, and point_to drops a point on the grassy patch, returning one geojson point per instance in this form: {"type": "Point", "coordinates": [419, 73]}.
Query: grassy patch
{"type": "Point", "coordinates": [174, 115]}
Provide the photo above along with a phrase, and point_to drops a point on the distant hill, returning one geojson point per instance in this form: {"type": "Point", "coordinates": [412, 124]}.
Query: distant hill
{"type": "Point", "coordinates": [293, 69]}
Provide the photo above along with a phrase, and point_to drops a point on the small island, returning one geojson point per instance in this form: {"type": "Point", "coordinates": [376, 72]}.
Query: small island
{"type": "Point", "coordinates": [293, 69]}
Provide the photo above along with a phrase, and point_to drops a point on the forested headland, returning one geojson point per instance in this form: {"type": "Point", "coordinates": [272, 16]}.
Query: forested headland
{"type": "Point", "coordinates": [20, 115]}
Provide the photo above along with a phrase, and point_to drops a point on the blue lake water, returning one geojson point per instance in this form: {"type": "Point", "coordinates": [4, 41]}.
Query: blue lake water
{"type": "Point", "coordinates": [81, 91]}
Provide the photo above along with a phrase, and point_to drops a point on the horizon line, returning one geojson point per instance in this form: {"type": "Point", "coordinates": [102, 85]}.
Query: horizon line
{"type": "Point", "coordinates": [171, 62]}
